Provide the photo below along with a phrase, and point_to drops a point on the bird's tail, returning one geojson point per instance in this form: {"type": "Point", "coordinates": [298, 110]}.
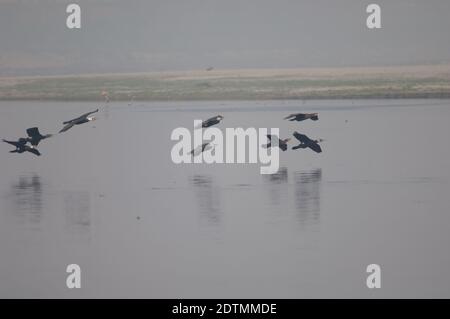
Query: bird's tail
{"type": "Point", "coordinates": [14, 151]}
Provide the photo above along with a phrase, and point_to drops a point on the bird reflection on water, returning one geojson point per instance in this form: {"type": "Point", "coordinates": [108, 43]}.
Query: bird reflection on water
{"type": "Point", "coordinates": [302, 197]}
{"type": "Point", "coordinates": [207, 197]}
{"type": "Point", "coordinates": [27, 199]}
{"type": "Point", "coordinates": [279, 177]}
{"type": "Point", "coordinates": [307, 195]}
{"type": "Point", "coordinates": [77, 206]}
{"type": "Point", "coordinates": [277, 185]}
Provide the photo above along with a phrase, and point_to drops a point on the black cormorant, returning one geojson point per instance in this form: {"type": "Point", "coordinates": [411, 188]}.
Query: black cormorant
{"type": "Point", "coordinates": [302, 116]}
{"type": "Point", "coordinates": [281, 143]}
{"type": "Point", "coordinates": [85, 118]}
{"type": "Point", "coordinates": [306, 142]}
{"type": "Point", "coordinates": [201, 148]}
{"type": "Point", "coordinates": [35, 137]}
{"type": "Point", "coordinates": [212, 121]}
{"type": "Point", "coordinates": [22, 147]}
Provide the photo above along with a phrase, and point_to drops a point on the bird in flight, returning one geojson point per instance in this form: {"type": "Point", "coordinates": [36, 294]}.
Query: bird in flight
{"type": "Point", "coordinates": [22, 147]}
{"type": "Point", "coordinates": [302, 116]}
{"type": "Point", "coordinates": [201, 148]}
{"type": "Point", "coordinates": [35, 137]}
{"type": "Point", "coordinates": [273, 139]}
{"type": "Point", "coordinates": [212, 121]}
{"type": "Point", "coordinates": [85, 118]}
{"type": "Point", "coordinates": [306, 142]}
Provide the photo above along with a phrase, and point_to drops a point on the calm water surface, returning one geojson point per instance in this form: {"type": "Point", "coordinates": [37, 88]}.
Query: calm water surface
{"type": "Point", "coordinates": [107, 196]}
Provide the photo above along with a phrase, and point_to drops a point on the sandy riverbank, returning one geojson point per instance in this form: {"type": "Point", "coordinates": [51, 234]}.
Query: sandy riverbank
{"type": "Point", "coordinates": [241, 84]}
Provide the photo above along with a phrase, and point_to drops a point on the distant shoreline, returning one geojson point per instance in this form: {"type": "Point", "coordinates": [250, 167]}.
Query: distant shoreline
{"type": "Point", "coordinates": [402, 82]}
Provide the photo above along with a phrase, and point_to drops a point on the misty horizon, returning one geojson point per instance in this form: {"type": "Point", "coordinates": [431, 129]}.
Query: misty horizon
{"type": "Point", "coordinates": [149, 36]}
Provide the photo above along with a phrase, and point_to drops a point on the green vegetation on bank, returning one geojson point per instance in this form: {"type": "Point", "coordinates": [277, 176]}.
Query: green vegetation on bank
{"type": "Point", "coordinates": [237, 85]}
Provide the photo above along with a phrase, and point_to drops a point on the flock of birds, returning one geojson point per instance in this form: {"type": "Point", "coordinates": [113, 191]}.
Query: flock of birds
{"type": "Point", "coordinates": [305, 141]}
{"type": "Point", "coordinates": [30, 143]}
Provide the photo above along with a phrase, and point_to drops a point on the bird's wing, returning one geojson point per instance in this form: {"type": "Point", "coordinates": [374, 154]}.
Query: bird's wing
{"type": "Point", "coordinates": [301, 137]}
{"type": "Point", "coordinates": [204, 146]}
{"type": "Point", "coordinates": [197, 151]}
{"type": "Point", "coordinates": [208, 121]}
{"type": "Point", "coordinates": [33, 132]}
{"type": "Point", "coordinates": [34, 151]}
{"type": "Point", "coordinates": [16, 144]}
{"type": "Point", "coordinates": [290, 116]}
{"type": "Point", "coordinates": [89, 113]}
{"type": "Point", "coordinates": [34, 142]}
{"type": "Point", "coordinates": [34, 136]}
{"type": "Point", "coordinates": [315, 147]}
{"type": "Point", "coordinates": [10, 142]}
{"type": "Point", "coordinates": [85, 115]}
{"type": "Point", "coordinates": [67, 127]}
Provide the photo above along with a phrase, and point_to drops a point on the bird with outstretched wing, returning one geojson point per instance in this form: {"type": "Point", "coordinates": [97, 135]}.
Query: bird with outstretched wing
{"type": "Point", "coordinates": [77, 121]}
{"type": "Point", "coordinates": [35, 137]}
{"type": "Point", "coordinates": [306, 142]}
{"type": "Point", "coordinates": [21, 147]}
{"type": "Point", "coordinates": [282, 144]}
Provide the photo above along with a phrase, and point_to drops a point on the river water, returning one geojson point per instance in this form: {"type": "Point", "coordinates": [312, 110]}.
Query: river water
{"type": "Point", "coordinates": [107, 196]}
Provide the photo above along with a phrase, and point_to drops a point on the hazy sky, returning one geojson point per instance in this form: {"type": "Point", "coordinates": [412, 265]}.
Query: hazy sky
{"type": "Point", "coordinates": [135, 35]}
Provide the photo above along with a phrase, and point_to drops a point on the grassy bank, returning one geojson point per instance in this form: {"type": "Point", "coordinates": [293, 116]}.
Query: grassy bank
{"type": "Point", "coordinates": [389, 82]}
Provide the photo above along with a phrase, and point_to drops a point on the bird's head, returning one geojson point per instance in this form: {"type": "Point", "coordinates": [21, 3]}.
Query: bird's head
{"type": "Point", "coordinates": [220, 117]}
{"type": "Point", "coordinates": [92, 118]}
{"type": "Point", "coordinates": [286, 140]}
